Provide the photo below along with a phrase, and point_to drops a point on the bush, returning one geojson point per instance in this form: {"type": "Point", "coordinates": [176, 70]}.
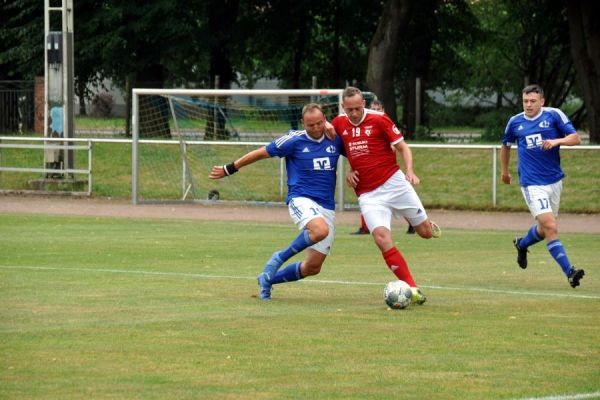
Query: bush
{"type": "Point", "coordinates": [493, 123]}
{"type": "Point", "coordinates": [102, 105]}
{"type": "Point", "coordinates": [424, 133]}
{"type": "Point", "coordinates": [440, 115]}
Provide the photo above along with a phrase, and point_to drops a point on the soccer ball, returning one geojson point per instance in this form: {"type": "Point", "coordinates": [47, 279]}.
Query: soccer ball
{"type": "Point", "coordinates": [397, 294]}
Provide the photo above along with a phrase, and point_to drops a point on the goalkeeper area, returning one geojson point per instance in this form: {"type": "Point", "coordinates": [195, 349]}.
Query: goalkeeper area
{"type": "Point", "coordinates": [178, 135]}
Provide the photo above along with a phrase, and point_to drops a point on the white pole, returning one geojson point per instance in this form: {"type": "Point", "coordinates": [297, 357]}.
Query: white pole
{"type": "Point", "coordinates": [417, 102]}
{"type": "Point", "coordinates": [89, 167]}
{"type": "Point", "coordinates": [340, 169]}
{"type": "Point", "coordinates": [494, 162]}
{"type": "Point", "coordinates": [134, 148]}
{"type": "Point", "coordinates": [281, 177]}
{"type": "Point", "coordinates": [46, 31]}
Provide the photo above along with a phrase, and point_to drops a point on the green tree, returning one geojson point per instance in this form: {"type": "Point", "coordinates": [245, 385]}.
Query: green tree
{"type": "Point", "coordinates": [585, 48]}
{"type": "Point", "coordinates": [384, 49]}
{"type": "Point", "coordinates": [296, 40]}
{"type": "Point", "coordinates": [21, 39]}
{"type": "Point", "coordinates": [86, 45]}
{"type": "Point", "coordinates": [522, 42]}
{"type": "Point", "coordinates": [428, 35]}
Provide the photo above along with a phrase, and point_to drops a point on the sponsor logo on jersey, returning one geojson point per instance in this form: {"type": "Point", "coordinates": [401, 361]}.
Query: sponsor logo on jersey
{"type": "Point", "coordinates": [533, 141]}
{"type": "Point", "coordinates": [330, 149]}
{"type": "Point", "coordinates": [544, 124]}
{"type": "Point", "coordinates": [345, 132]}
{"type": "Point", "coordinates": [396, 130]}
{"type": "Point", "coordinates": [359, 148]}
{"type": "Point", "coordinates": [520, 128]}
{"type": "Point", "coordinates": [306, 150]}
{"type": "Point", "coordinates": [322, 164]}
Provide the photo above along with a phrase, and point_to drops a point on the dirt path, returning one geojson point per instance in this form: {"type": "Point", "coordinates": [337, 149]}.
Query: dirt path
{"type": "Point", "coordinates": [515, 221]}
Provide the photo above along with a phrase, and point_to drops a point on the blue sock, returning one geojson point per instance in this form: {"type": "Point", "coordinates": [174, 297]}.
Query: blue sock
{"type": "Point", "coordinates": [531, 238]}
{"type": "Point", "coordinates": [288, 274]}
{"type": "Point", "coordinates": [300, 243]}
{"type": "Point", "coordinates": [558, 252]}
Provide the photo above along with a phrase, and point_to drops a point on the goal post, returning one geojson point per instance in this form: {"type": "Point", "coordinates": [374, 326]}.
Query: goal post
{"type": "Point", "coordinates": [179, 134]}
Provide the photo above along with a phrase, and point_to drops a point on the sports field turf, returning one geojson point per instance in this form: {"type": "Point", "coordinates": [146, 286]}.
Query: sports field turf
{"type": "Point", "coordinates": [116, 308]}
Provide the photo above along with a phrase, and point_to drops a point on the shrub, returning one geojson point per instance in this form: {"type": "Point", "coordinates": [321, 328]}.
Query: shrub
{"type": "Point", "coordinates": [102, 105]}
{"type": "Point", "coordinates": [493, 123]}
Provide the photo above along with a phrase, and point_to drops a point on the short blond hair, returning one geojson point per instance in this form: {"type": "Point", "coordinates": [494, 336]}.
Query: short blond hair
{"type": "Point", "coordinates": [351, 91]}
{"type": "Point", "coordinates": [311, 106]}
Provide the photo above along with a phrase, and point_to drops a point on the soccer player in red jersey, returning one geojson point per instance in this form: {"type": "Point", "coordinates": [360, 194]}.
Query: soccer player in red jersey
{"type": "Point", "coordinates": [382, 188]}
{"type": "Point", "coordinates": [363, 229]}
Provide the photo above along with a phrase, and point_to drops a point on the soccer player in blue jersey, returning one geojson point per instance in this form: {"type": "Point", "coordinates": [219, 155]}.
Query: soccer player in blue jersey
{"type": "Point", "coordinates": [311, 161]}
{"type": "Point", "coordinates": [539, 132]}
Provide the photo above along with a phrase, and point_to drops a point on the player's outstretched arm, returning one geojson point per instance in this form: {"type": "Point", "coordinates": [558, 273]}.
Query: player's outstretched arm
{"type": "Point", "coordinates": [570, 140]}
{"type": "Point", "coordinates": [221, 171]}
{"type": "Point", "coordinates": [504, 159]}
{"type": "Point", "coordinates": [404, 150]}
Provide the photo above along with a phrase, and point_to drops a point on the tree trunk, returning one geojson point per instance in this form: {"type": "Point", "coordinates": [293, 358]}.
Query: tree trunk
{"type": "Point", "coordinates": [382, 52]}
{"type": "Point", "coordinates": [584, 27]}
{"type": "Point", "coordinates": [222, 15]}
{"type": "Point", "coordinates": [128, 102]}
{"type": "Point", "coordinates": [154, 111]}
{"type": "Point", "coordinates": [81, 94]}
{"type": "Point", "coordinates": [419, 62]}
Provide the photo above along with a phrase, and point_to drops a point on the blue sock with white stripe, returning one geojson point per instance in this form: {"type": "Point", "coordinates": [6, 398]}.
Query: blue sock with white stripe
{"type": "Point", "coordinates": [288, 274]}
{"type": "Point", "coordinates": [300, 243]}
{"type": "Point", "coordinates": [531, 238]}
{"type": "Point", "coordinates": [558, 252]}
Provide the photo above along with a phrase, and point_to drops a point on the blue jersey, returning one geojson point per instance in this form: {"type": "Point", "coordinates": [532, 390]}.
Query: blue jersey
{"type": "Point", "coordinates": [536, 165]}
{"type": "Point", "coordinates": [311, 166]}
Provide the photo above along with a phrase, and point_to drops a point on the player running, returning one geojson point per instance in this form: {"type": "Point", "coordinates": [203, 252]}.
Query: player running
{"type": "Point", "coordinates": [311, 161]}
{"type": "Point", "coordinates": [539, 132]}
{"type": "Point", "coordinates": [382, 188]}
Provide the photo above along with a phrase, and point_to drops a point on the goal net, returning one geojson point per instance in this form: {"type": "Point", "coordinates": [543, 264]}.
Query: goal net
{"type": "Point", "coordinates": [178, 135]}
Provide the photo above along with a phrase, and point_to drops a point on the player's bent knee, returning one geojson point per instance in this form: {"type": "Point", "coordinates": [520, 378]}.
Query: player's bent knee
{"type": "Point", "coordinates": [426, 235]}
{"type": "Point", "coordinates": [550, 229]}
{"type": "Point", "coordinates": [424, 230]}
{"type": "Point", "coordinates": [311, 269]}
{"type": "Point", "coordinates": [321, 234]}
{"type": "Point", "coordinates": [318, 231]}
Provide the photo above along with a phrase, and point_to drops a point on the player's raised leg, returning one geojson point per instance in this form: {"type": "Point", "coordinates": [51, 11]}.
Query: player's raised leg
{"type": "Point", "coordinates": [549, 226]}
{"type": "Point", "coordinates": [301, 242]}
{"type": "Point", "coordinates": [316, 230]}
{"type": "Point", "coordinates": [396, 262]}
{"type": "Point", "coordinates": [428, 229]}
{"type": "Point", "coordinates": [311, 265]}
{"type": "Point", "coordinates": [522, 243]}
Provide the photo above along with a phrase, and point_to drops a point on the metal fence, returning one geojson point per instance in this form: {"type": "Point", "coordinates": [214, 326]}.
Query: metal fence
{"type": "Point", "coordinates": [16, 106]}
{"type": "Point", "coordinates": [473, 171]}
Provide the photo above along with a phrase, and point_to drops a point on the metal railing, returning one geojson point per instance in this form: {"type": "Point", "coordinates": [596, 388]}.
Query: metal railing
{"type": "Point", "coordinates": [50, 144]}
{"type": "Point", "coordinates": [16, 106]}
{"type": "Point", "coordinates": [493, 151]}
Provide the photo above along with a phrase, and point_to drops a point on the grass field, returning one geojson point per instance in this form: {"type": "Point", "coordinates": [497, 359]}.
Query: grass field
{"type": "Point", "coordinates": [108, 308]}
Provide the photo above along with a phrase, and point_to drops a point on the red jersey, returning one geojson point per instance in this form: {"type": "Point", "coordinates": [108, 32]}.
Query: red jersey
{"type": "Point", "coordinates": [368, 149]}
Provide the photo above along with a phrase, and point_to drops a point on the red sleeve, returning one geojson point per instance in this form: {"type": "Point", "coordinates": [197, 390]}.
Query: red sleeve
{"type": "Point", "coordinates": [391, 130]}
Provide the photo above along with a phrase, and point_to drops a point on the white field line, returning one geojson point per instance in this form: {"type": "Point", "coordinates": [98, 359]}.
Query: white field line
{"type": "Point", "coordinates": [308, 281]}
{"type": "Point", "coordinates": [595, 395]}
